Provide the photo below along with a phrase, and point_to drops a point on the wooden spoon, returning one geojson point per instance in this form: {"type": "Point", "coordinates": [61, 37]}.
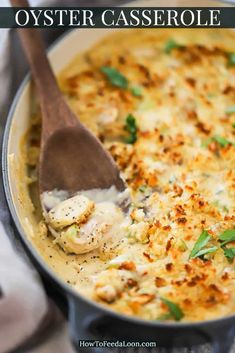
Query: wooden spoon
{"type": "Point", "coordinates": [71, 157]}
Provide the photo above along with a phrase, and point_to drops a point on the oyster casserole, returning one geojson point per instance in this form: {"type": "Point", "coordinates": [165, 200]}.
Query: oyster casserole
{"type": "Point", "coordinates": [163, 104]}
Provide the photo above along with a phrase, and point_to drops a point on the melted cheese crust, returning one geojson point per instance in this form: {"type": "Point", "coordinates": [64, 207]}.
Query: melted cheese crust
{"type": "Point", "coordinates": [182, 181]}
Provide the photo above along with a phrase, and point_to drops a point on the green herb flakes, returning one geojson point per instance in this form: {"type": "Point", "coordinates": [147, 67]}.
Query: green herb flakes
{"type": "Point", "coordinates": [229, 253]}
{"type": "Point", "coordinates": [231, 59]}
{"type": "Point", "coordinates": [206, 251]}
{"type": "Point", "coordinates": [174, 310]}
{"type": "Point", "coordinates": [137, 91]}
{"type": "Point", "coordinates": [170, 45]}
{"type": "Point", "coordinates": [115, 77]}
{"type": "Point", "coordinates": [227, 236]}
{"type": "Point", "coordinates": [222, 141]}
{"type": "Point", "coordinates": [199, 247]}
{"type": "Point", "coordinates": [131, 127]}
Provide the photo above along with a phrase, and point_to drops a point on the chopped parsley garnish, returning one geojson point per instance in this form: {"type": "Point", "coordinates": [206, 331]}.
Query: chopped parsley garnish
{"type": "Point", "coordinates": [131, 127]}
{"type": "Point", "coordinates": [137, 91]}
{"type": "Point", "coordinates": [230, 110]}
{"type": "Point", "coordinates": [170, 45]}
{"type": "Point", "coordinates": [229, 253]}
{"type": "Point", "coordinates": [227, 236]}
{"type": "Point", "coordinates": [233, 125]}
{"type": "Point", "coordinates": [222, 141]}
{"type": "Point", "coordinates": [231, 59]}
{"type": "Point", "coordinates": [206, 251]}
{"type": "Point", "coordinates": [199, 248]}
{"type": "Point", "coordinates": [175, 311]}
{"type": "Point", "coordinates": [115, 77]}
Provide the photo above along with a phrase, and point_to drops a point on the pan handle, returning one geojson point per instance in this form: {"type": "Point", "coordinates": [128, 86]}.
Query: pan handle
{"type": "Point", "coordinates": [223, 344]}
{"type": "Point", "coordinates": [81, 315]}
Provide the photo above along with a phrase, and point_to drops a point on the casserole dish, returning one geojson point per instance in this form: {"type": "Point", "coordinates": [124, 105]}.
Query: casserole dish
{"type": "Point", "coordinates": [97, 322]}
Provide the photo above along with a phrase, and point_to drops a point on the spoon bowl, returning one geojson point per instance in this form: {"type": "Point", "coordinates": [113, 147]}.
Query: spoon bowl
{"type": "Point", "coordinates": [73, 159]}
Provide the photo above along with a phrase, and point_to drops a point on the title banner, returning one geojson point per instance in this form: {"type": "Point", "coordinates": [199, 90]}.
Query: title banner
{"type": "Point", "coordinates": [117, 17]}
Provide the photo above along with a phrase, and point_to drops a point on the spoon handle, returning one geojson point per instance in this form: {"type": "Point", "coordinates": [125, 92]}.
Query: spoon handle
{"type": "Point", "coordinates": [52, 103]}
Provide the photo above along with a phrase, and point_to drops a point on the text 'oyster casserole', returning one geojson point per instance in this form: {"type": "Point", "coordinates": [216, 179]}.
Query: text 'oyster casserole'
{"type": "Point", "coordinates": [163, 103]}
